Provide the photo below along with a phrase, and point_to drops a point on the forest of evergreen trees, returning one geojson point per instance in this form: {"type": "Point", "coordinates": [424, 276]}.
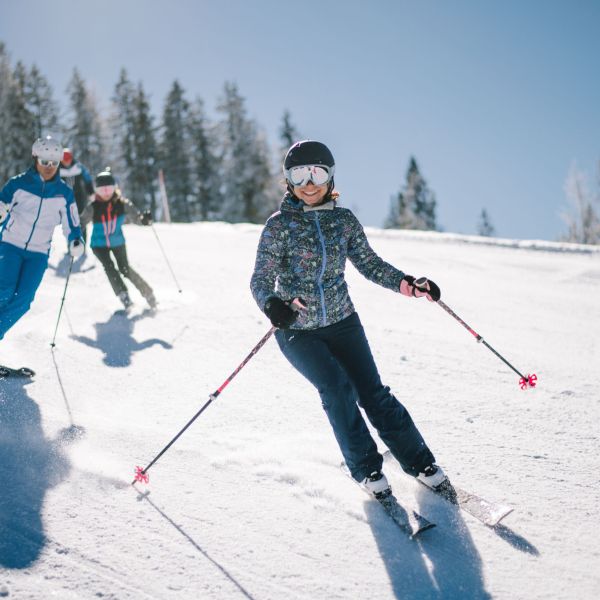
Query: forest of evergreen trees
{"type": "Point", "coordinates": [220, 169]}
{"type": "Point", "coordinates": [213, 170]}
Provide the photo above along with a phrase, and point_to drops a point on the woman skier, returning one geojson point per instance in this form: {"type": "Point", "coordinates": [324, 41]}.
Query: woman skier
{"type": "Point", "coordinates": [298, 281]}
{"type": "Point", "coordinates": [107, 212]}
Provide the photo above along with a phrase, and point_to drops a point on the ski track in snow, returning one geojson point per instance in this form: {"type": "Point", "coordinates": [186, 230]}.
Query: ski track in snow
{"type": "Point", "coordinates": [250, 502]}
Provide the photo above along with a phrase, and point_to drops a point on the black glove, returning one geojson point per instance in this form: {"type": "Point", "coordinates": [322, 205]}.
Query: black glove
{"type": "Point", "coordinates": [146, 218]}
{"type": "Point", "coordinates": [409, 286]}
{"type": "Point", "coordinates": [279, 312]}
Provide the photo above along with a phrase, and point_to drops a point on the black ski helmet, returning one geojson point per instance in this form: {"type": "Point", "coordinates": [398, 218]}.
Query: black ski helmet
{"type": "Point", "coordinates": [105, 178]}
{"type": "Point", "coordinates": [308, 152]}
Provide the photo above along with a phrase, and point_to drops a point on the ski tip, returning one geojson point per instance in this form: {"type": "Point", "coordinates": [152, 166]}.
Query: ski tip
{"type": "Point", "coordinates": [423, 527]}
{"type": "Point", "coordinates": [495, 519]}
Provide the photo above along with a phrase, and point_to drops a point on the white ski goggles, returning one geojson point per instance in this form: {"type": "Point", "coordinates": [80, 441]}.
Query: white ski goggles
{"type": "Point", "coordinates": [318, 174]}
{"type": "Point", "coordinates": [48, 163]}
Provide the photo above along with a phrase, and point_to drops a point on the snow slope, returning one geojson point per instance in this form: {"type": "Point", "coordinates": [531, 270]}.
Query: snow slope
{"type": "Point", "coordinates": [249, 502]}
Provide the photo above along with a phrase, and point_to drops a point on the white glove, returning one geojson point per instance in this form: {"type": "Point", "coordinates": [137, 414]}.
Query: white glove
{"type": "Point", "coordinates": [4, 210]}
{"type": "Point", "coordinates": [76, 248]}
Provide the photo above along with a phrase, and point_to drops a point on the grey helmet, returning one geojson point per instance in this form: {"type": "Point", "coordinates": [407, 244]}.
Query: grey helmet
{"type": "Point", "coordinates": [47, 148]}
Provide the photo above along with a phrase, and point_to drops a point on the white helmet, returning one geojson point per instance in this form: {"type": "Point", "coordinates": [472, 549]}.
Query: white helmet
{"type": "Point", "coordinates": [47, 149]}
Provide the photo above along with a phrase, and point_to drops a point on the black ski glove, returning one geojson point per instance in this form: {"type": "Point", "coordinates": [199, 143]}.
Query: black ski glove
{"type": "Point", "coordinates": [409, 286]}
{"type": "Point", "coordinates": [279, 312]}
{"type": "Point", "coordinates": [146, 218]}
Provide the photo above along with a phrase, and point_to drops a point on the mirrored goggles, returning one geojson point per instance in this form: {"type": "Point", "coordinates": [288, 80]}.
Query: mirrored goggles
{"type": "Point", "coordinates": [318, 174]}
{"type": "Point", "coordinates": [48, 163]}
{"type": "Point", "coordinates": [105, 191]}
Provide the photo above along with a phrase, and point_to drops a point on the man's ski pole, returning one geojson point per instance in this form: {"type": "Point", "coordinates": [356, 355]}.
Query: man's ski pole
{"type": "Point", "coordinates": [165, 257]}
{"type": "Point", "coordinates": [62, 303]}
{"type": "Point", "coordinates": [524, 382]}
{"type": "Point", "coordinates": [140, 474]}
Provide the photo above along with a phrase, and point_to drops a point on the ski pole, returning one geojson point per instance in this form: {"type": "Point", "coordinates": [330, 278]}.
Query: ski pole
{"type": "Point", "coordinates": [165, 257]}
{"type": "Point", "coordinates": [524, 382]}
{"type": "Point", "coordinates": [140, 474]}
{"type": "Point", "coordinates": [62, 303]}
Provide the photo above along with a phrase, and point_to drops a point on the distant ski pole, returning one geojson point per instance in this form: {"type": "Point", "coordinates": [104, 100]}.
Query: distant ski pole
{"type": "Point", "coordinates": [52, 343]}
{"type": "Point", "coordinates": [166, 259]}
{"type": "Point", "coordinates": [524, 382]}
{"type": "Point", "coordinates": [141, 474]}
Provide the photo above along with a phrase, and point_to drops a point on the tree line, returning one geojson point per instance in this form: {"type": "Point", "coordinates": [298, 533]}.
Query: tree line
{"type": "Point", "coordinates": [213, 169]}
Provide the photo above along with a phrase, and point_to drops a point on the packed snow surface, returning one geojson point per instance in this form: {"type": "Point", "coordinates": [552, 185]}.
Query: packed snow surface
{"type": "Point", "coordinates": [249, 502]}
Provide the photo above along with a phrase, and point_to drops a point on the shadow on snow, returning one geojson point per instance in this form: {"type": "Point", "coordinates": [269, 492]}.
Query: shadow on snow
{"type": "Point", "coordinates": [115, 340]}
{"type": "Point", "coordinates": [227, 574]}
{"type": "Point", "coordinates": [441, 563]}
{"type": "Point", "coordinates": [30, 465]}
{"type": "Point", "coordinates": [62, 267]}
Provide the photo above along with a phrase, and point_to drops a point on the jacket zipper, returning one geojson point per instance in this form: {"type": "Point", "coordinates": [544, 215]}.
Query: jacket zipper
{"type": "Point", "coordinates": [37, 216]}
{"type": "Point", "coordinates": [323, 265]}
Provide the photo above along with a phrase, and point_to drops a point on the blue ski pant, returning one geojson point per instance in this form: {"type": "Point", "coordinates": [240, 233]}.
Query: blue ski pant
{"type": "Point", "coordinates": [337, 360]}
{"type": "Point", "coordinates": [21, 273]}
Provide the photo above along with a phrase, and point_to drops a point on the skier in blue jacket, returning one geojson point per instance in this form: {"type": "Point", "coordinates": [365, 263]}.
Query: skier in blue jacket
{"type": "Point", "coordinates": [298, 281]}
{"type": "Point", "coordinates": [32, 204]}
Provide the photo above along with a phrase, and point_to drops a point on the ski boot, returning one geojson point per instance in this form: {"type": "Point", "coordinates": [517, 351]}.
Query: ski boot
{"type": "Point", "coordinates": [377, 484]}
{"type": "Point", "coordinates": [435, 479]}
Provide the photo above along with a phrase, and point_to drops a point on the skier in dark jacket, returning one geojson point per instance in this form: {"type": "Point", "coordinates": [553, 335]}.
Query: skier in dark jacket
{"type": "Point", "coordinates": [32, 204]}
{"type": "Point", "coordinates": [298, 281]}
{"type": "Point", "coordinates": [107, 213]}
{"type": "Point", "coordinates": [80, 181]}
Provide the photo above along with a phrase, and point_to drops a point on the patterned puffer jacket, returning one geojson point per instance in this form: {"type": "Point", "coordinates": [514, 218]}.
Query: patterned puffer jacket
{"type": "Point", "coordinates": [302, 254]}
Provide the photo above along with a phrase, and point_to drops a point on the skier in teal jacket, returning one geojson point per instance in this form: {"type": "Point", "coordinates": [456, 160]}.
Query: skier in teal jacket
{"type": "Point", "coordinates": [107, 213]}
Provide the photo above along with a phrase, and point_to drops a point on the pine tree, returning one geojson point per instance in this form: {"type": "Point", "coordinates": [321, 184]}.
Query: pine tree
{"type": "Point", "coordinates": [174, 151]}
{"type": "Point", "coordinates": [17, 133]}
{"type": "Point", "coordinates": [288, 134]}
{"type": "Point", "coordinates": [484, 226]}
{"type": "Point", "coordinates": [248, 194]}
{"type": "Point", "coordinates": [205, 165]}
{"type": "Point", "coordinates": [41, 104]}
{"type": "Point", "coordinates": [120, 127]}
{"type": "Point", "coordinates": [143, 174]}
{"type": "Point", "coordinates": [84, 131]}
{"type": "Point", "coordinates": [415, 205]}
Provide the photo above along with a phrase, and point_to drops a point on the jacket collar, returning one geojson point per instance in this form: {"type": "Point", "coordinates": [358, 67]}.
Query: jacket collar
{"type": "Point", "coordinates": [33, 172]}
{"type": "Point", "coordinates": [329, 205]}
{"type": "Point", "coordinates": [291, 203]}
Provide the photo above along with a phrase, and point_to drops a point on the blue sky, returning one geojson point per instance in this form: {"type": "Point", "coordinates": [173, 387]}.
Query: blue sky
{"type": "Point", "coordinates": [496, 100]}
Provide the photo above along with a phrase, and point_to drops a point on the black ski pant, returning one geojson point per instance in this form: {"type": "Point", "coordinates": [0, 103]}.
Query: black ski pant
{"type": "Point", "coordinates": [337, 360]}
{"type": "Point", "coordinates": [114, 274]}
